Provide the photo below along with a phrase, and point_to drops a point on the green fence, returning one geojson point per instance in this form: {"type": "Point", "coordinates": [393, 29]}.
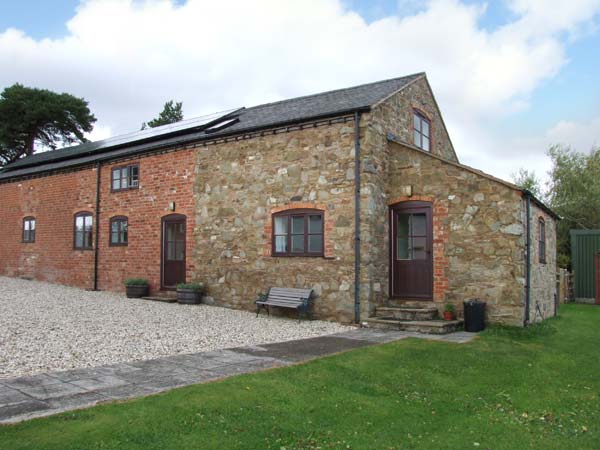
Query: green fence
{"type": "Point", "coordinates": [584, 245]}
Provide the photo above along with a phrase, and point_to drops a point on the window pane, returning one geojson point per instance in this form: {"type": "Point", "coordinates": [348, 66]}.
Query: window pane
{"type": "Point", "coordinates": [116, 179]}
{"type": "Point", "coordinates": [124, 227]}
{"type": "Point", "coordinates": [297, 225]}
{"type": "Point", "coordinates": [116, 185]}
{"type": "Point", "coordinates": [315, 243]}
{"type": "Point", "coordinates": [418, 225]}
{"type": "Point", "coordinates": [87, 239]}
{"type": "Point", "coordinates": [179, 250]}
{"type": "Point", "coordinates": [88, 222]}
{"type": "Point", "coordinates": [403, 224]}
{"type": "Point", "coordinates": [124, 174]}
{"type": "Point", "coordinates": [114, 237]}
{"type": "Point", "coordinates": [417, 138]}
{"type": "Point", "coordinates": [298, 243]}
{"type": "Point", "coordinates": [281, 244]}
{"type": "Point", "coordinates": [281, 225]}
{"type": "Point", "coordinates": [315, 224]}
{"type": "Point", "coordinates": [402, 250]}
{"type": "Point", "coordinates": [114, 226]}
{"type": "Point", "coordinates": [26, 225]}
{"type": "Point", "coordinates": [32, 224]}
{"type": "Point", "coordinates": [171, 251]}
{"type": "Point", "coordinates": [425, 128]}
{"type": "Point", "coordinates": [425, 145]}
{"type": "Point", "coordinates": [133, 176]}
{"type": "Point", "coordinates": [79, 223]}
{"type": "Point", "coordinates": [79, 239]}
{"type": "Point", "coordinates": [419, 248]}
{"type": "Point", "coordinates": [417, 120]}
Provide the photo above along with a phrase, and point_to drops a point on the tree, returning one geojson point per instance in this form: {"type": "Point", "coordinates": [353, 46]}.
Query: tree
{"type": "Point", "coordinates": [31, 117]}
{"type": "Point", "coordinates": [528, 180]}
{"type": "Point", "coordinates": [574, 193]}
{"type": "Point", "coordinates": [172, 112]}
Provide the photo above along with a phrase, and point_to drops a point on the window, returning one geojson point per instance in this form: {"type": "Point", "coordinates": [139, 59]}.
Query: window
{"type": "Point", "coordinates": [126, 177]}
{"type": "Point", "coordinates": [411, 236]}
{"type": "Point", "coordinates": [542, 240]}
{"type": "Point", "coordinates": [83, 231]}
{"type": "Point", "coordinates": [422, 130]}
{"type": "Point", "coordinates": [298, 232]}
{"type": "Point", "coordinates": [118, 231]}
{"type": "Point", "coordinates": [29, 229]}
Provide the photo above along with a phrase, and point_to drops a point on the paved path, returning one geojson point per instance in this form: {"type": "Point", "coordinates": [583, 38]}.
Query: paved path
{"type": "Point", "coordinates": [50, 393]}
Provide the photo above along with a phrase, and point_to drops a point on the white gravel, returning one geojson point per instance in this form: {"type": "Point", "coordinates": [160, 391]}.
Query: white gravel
{"type": "Point", "coordinates": [45, 327]}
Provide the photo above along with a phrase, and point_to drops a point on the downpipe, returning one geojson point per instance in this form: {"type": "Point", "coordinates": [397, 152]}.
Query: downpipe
{"type": "Point", "coordinates": [357, 217]}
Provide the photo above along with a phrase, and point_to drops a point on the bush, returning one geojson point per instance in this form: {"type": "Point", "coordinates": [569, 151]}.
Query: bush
{"type": "Point", "coordinates": [136, 282]}
{"type": "Point", "coordinates": [198, 287]}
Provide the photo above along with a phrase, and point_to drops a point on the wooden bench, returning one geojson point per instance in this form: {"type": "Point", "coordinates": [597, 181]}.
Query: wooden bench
{"type": "Point", "coordinates": [292, 298]}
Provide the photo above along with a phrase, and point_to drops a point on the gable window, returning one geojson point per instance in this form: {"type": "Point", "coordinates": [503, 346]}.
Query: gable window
{"type": "Point", "coordinates": [83, 231]}
{"type": "Point", "coordinates": [542, 240]}
{"type": "Point", "coordinates": [421, 133]}
{"type": "Point", "coordinates": [125, 177]}
{"type": "Point", "coordinates": [298, 232]}
{"type": "Point", "coordinates": [118, 230]}
{"type": "Point", "coordinates": [29, 229]}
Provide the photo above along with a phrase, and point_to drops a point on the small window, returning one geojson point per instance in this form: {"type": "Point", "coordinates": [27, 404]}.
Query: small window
{"type": "Point", "coordinates": [542, 240]}
{"type": "Point", "coordinates": [83, 231]}
{"type": "Point", "coordinates": [125, 177]}
{"type": "Point", "coordinates": [298, 232]}
{"type": "Point", "coordinates": [118, 230]}
{"type": "Point", "coordinates": [29, 229]}
{"type": "Point", "coordinates": [422, 128]}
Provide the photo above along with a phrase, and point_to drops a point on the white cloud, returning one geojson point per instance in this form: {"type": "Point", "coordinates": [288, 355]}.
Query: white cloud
{"type": "Point", "coordinates": [127, 58]}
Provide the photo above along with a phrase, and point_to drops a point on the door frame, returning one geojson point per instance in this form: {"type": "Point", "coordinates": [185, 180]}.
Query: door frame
{"type": "Point", "coordinates": [409, 204]}
{"type": "Point", "coordinates": [163, 221]}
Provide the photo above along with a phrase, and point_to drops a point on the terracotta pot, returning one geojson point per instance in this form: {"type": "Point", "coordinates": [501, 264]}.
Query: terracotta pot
{"type": "Point", "coordinates": [448, 315]}
{"type": "Point", "coordinates": [136, 291]}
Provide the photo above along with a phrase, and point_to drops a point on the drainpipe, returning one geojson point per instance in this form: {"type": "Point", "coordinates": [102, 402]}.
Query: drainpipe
{"type": "Point", "coordinates": [357, 217]}
{"type": "Point", "coordinates": [528, 259]}
{"type": "Point", "coordinates": [97, 228]}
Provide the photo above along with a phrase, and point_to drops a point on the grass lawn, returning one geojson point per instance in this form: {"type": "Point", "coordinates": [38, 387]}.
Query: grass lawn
{"type": "Point", "coordinates": [509, 389]}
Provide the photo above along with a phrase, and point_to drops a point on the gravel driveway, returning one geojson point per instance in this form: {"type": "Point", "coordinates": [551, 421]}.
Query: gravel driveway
{"type": "Point", "coordinates": [45, 327]}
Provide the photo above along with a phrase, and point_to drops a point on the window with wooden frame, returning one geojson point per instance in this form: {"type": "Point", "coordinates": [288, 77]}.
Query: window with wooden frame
{"type": "Point", "coordinates": [125, 177]}
{"type": "Point", "coordinates": [29, 229]}
{"type": "Point", "coordinates": [542, 240]}
{"type": "Point", "coordinates": [298, 232]}
{"type": "Point", "coordinates": [118, 230]}
{"type": "Point", "coordinates": [421, 131]}
{"type": "Point", "coordinates": [82, 239]}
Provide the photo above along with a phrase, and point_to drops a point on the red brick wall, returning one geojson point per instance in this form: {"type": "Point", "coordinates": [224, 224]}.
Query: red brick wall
{"type": "Point", "coordinates": [53, 201]}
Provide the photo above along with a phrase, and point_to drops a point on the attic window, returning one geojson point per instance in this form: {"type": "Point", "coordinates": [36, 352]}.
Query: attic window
{"type": "Point", "coordinates": [422, 129]}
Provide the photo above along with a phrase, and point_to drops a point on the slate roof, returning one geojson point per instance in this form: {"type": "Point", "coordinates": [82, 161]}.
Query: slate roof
{"type": "Point", "coordinates": [300, 109]}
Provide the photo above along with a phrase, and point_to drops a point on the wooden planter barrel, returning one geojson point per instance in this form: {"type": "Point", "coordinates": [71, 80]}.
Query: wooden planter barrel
{"type": "Point", "coordinates": [136, 291]}
{"type": "Point", "coordinates": [189, 296]}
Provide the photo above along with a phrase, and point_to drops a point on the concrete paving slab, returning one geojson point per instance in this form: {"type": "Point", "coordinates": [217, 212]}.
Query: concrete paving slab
{"type": "Point", "coordinates": [26, 397]}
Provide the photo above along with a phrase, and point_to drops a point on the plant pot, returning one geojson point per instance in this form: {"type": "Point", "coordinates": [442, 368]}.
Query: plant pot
{"type": "Point", "coordinates": [136, 290]}
{"type": "Point", "coordinates": [448, 315]}
{"type": "Point", "coordinates": [189, 296]}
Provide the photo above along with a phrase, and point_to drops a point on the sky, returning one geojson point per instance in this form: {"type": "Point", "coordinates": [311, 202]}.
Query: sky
{"type": "Point", "coordinates": [511, 77]}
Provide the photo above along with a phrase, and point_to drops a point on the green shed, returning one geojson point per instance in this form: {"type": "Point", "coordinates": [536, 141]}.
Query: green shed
{"type": "Point", "coordinates": [585, 245]}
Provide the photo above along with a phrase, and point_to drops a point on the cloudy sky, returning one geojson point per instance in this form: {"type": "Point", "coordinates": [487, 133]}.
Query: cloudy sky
{"type": "Point", "coordinates": [511, 76]}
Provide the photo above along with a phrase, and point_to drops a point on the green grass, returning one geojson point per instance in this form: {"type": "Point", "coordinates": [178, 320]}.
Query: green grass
{"type": "Point", "coordinates": [509, 389]}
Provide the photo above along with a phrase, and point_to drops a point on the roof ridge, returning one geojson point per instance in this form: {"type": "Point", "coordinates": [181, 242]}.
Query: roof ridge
{"type": "Point", "coordinates": [417, 74]}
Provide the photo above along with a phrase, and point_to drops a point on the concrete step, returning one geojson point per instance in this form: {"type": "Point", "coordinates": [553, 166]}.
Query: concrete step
{"type": "Point", "coordinates": [418, 326]}
{"type": "Point", "coordinates": [161, 298]}
{"type": "Point", "coordinates": [428, 312]}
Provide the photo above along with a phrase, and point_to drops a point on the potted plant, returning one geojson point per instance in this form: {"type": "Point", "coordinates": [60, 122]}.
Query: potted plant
{"type": "Point", "coordinates": [190, 293]}
{"type": "Point", "coordinates": [136, 287]}
{"type": "Point", "coordinates": [449, 311]}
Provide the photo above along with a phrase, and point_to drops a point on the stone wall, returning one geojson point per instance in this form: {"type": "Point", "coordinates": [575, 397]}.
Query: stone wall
{"type": "Point", "coordinates": [478, 236]}
{"type": "Point", "coordinates": [242, 183]}
{"type": "Point", "coordinates": [543, 274]}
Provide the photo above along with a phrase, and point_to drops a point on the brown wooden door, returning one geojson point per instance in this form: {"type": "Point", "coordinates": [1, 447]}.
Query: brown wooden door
{"type": "Point", "coordinates": [412, 259]}
{"type": "Point", "coordinates": [173, 251]}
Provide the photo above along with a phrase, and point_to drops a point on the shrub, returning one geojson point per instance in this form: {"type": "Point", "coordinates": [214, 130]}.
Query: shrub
{"type": "Point", "coordinates": [198, 287]}
{"type": "Point", "coordinates": [136, 282]}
